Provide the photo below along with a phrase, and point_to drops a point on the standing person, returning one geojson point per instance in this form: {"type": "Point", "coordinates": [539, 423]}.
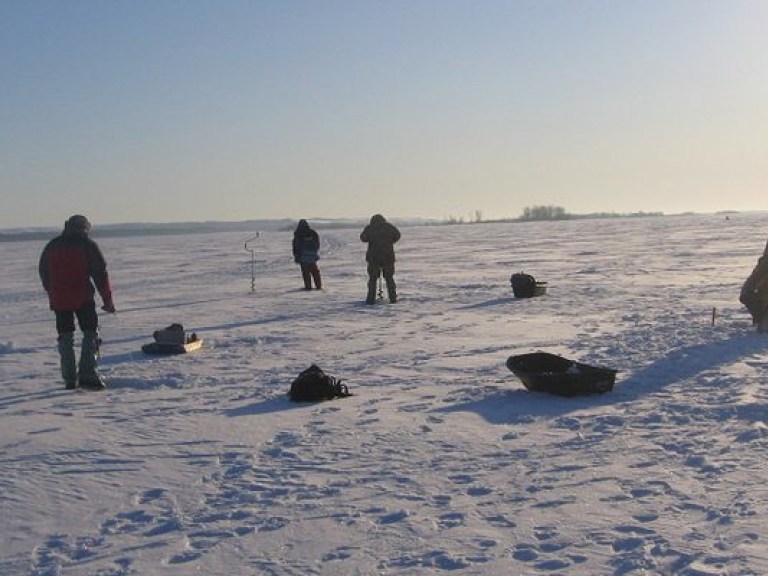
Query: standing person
{"type": "Point", "coordinates": [754, 293]}
{"type": "Point", "coordinates": [306, 245]}
{"type": "Point", "coordinates": [381, 237]}
{"type": "Point", "coordinates": [70, 265]}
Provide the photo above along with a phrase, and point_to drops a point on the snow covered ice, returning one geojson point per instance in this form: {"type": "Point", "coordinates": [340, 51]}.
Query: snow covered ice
{"type": "Point", "coordinates": [441, 462]}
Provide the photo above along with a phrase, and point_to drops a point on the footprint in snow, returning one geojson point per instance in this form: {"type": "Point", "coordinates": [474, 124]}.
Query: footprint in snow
{"type": "Point", "coordinates": [627, 544]}
{"type": "Point", "coordinates": [394, 517]}
{"type": "Point", "coordinates": [545, 532]}
{"type": "Point", "coordinates": [441, 500]}
{"type": "Point", "coordinates": [150, 495]}
{"type": "Point", "coordinates": [342, 553]}
{"type": "Point", "coordinates": [500, 521]}
{"type": "Point", "coordinates": [525, 553]}
{"type": "Point", "coordinates": [462, 479]}
{"type": "Point", "coordinates": [328, 409]}
{"type": "Point", "coordinates": [650, 517]}
{"type": "Point", "coordinates": [127, 522]}
{"type": "Point", "coordinates": [165, 527]}
{"type": "Point", "coordinates": [184, 557]}
{"type": "Point", "coordinates": [555, 503]}
{"type": "Point", "coordinates": [552, 565]}
{"type": "Point", "coordinates": [450, 520]}
{"type": "Point", "coordinates": [477, 491]}
{"type": "Point", "coordinates": [630, 529]}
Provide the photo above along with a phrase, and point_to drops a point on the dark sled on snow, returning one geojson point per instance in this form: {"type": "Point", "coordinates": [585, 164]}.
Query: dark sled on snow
{"type": "Point", "coordinates": [172, 340]}
{"type": "Point", "coordinates": [166, 348]}
{"type": "Point", "coordinates": [544, 372]}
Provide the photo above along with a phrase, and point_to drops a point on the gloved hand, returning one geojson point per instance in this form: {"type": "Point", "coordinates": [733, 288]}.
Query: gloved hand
{"type": "Point", "coordinates": [109, 307]}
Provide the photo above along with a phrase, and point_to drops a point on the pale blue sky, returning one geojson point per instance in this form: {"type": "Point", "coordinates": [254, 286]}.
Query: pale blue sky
{"type": "Point", "coordinates": [159, 110]}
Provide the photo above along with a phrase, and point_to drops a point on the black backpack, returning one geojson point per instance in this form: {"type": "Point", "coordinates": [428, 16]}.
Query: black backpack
{"type": "Point", "coordinates": [523, 285]}
{"type": "Point", "coordinates": [313, 385]}
{"type": "Point", "coordinates": [173, 334]}
{"type": "Point", "coordinates": [526, 286]}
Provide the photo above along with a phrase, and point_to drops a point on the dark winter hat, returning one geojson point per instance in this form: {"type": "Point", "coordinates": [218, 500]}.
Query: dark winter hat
{"type": "Point", "coordinates": [377, 219]}
{"type": "Point", "coordinates": [302, 225]}
{"type": "Point", "coordinates": [77, 223]}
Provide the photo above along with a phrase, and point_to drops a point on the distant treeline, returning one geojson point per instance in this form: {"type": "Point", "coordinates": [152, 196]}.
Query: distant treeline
{"type": "Point", "coordinates": [547, 213]}
{"type": "Point", "coordinates": [544, 213]}
{"type": "Point", "coordinates": [559, 213]}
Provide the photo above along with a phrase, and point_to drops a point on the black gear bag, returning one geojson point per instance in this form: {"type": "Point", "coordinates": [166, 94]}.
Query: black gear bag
{"type": "Point", "coordinates": [526, 286]}
{"type": "Point", "coordinates": [313, 385]}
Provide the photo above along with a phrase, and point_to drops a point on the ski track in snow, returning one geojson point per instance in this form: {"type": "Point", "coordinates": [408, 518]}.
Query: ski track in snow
{"type": "Point", "coordinates": [441, 461]}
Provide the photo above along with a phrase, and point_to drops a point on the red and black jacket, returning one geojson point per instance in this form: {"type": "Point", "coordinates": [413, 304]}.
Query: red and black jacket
{"type": "Point", "coordinates": [67, 265]}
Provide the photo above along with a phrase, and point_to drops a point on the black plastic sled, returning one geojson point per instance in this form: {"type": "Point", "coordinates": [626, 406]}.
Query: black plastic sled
{"type": "Point", "coordinates": [544, 372]}
{"type": "Point", "coordinates": [168, 348]}
{"type": "Point", "coordinates": [172, 340]}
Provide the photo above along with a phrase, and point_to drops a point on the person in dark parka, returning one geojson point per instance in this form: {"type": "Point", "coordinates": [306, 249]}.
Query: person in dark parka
{"type": "Point", "coordinates": [69, 266]}
{"type": "Point", "coordinates": [754, 293]}
{"type": "Point", "coordinates": [306, 247]}
{"type": "Point", "coordinates": [381, 237]}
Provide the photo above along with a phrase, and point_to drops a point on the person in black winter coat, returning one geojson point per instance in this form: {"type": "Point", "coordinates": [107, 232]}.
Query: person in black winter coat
{"type": "Point", "coordinates": [381, 237]}
{"type": "Point", "coordinates": [306, 246]}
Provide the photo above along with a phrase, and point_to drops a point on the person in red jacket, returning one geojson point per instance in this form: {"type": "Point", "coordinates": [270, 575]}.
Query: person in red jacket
{"type": "Point", "coordinates": [70, 265]}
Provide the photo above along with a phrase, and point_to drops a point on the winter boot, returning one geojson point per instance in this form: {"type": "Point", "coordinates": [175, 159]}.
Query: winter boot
{"type": "Point", "coordinates": [371, 298]}
{"type": "Point", "coordinates": [306, 275]}
{"type": "Point", "coordinates": [391, 290]}
{"type": "Point", "coordinates": [67, 358]}
{"type": "Point", "coordinates": [89, 353]}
